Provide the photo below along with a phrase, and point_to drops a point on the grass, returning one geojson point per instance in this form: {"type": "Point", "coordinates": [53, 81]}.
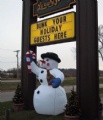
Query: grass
{"type": "Point", "coordinates": [101, 80]}
{"type": "Point", "coordinates": [26, 114]}
{"type": "Point", "coordinates": [100, 90]}
{"type": "Point", "coordinates": [68, 81]}
{"type": "Point", "coordinates": [3, 107]}
{"type": "Point", "coordinates": [32, 115]}
{"type": "Point", "coordinates": [5, 86]}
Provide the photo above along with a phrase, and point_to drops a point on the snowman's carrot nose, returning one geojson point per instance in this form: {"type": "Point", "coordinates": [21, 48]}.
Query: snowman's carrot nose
{"type": "Point", "coordinates": [42, 61]}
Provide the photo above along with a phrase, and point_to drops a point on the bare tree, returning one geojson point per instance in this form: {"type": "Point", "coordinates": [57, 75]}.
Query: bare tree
{"type": "Point", "coordinates": [100, 40]}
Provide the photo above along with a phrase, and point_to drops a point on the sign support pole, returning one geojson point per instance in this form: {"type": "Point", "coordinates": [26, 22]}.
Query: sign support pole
{"type": "Point", "coordinates": [28, 80]}
{"type": "Point", "coordinates": [87, 58]}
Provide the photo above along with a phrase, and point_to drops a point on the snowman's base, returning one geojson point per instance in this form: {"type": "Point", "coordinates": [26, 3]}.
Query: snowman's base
{"type": "Point", "coordinates": [49, 101]}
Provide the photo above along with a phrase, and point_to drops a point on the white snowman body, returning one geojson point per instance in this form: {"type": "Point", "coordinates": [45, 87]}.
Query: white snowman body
{"type": "Point", "coordinates": [46, 99]}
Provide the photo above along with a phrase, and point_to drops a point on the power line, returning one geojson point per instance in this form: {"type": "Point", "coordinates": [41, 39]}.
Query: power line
{"type": "Point", "coordinates": [7, 57]}
{"type": "Point", "coordinates": [6, 49]}
{"type": "Point", "coordinates": [8, 61]}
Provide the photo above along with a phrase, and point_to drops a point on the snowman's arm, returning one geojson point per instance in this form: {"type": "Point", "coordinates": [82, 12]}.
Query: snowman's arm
{"type": "Point", "coordinates": [58, 78]}
{"type": "Point", "coordinates": [34, 68]}
{"type": "Point", "coordinates": [58, 74]}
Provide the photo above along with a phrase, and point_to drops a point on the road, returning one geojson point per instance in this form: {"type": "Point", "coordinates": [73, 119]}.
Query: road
{"type": "Point", "coordinates": [8, 95]}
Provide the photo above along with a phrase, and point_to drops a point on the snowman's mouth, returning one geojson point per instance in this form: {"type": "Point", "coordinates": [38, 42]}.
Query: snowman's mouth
{"type": "Point", "coordinates": [48, 64]}
{"type": "Point", "coordinates": [42, 61]}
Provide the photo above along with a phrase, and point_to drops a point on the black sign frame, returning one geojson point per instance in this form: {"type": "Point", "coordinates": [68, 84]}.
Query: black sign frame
{"type": "Point", "coordinates": [42, 9]}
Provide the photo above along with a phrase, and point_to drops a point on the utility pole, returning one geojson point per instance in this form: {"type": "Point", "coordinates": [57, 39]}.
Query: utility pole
{"type": "Point", "coordinates": [17, 51]}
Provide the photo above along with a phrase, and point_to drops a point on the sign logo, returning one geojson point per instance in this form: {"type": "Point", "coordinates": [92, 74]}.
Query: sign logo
{"type": "Point", "coordinates": [53, 30]}
{"type": "Point", "coordinates": [46, 7]}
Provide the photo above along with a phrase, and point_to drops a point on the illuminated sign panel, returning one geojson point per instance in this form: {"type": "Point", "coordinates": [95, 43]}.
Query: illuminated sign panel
{"type": "Point", "coordinates": [52, 30]}
{"type": "Point", "coordinates": [46, 7]}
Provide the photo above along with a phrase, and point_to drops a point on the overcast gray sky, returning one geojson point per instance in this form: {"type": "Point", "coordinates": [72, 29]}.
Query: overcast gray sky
{"type": "Point", "coordinates": [11, 32]}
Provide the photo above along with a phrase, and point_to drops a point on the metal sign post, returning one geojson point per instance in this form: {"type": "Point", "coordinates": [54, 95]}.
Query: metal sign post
{"type": "Point", "coordinates": [28, 80]}
{"type": "Point", "coordinates": [87, 58]}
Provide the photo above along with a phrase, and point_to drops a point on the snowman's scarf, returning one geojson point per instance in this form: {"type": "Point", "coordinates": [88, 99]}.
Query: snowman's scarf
{"type": "Point", "coordinates": [49, 77]}
{"type": "Point", "coordinates": [28, 55]}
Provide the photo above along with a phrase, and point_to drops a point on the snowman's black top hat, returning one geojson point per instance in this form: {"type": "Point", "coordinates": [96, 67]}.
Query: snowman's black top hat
{"type": "Point", "coordinates": [51, 55]}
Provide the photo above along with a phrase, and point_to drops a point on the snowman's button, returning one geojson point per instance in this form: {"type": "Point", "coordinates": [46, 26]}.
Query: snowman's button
{"type": "Point", "coordinates": [38, 92]}
{"type": "Point", "coordinates": [41, 80]}
{"type": "Point", "coordinates": [42, 71]}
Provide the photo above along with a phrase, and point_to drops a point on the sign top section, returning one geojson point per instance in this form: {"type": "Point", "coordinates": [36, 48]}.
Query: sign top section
{"type": "Point", "coordinates": [46, 7]}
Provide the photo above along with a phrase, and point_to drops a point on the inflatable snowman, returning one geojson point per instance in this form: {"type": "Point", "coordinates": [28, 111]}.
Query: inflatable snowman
{"type": "Point", "coordinates": [49, 98]}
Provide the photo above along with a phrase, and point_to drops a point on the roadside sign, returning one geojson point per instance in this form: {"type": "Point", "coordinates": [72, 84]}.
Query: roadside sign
{"type": "Point", "coordinates": [54, 29]}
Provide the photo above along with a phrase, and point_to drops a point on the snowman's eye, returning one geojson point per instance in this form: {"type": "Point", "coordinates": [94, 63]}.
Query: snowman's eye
{"type": "Point", "coordinates": [47, 59]}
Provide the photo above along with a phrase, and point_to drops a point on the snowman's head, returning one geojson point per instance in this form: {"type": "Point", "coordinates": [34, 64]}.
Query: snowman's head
{"type": "Point", "coordinates": [50, 60]}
